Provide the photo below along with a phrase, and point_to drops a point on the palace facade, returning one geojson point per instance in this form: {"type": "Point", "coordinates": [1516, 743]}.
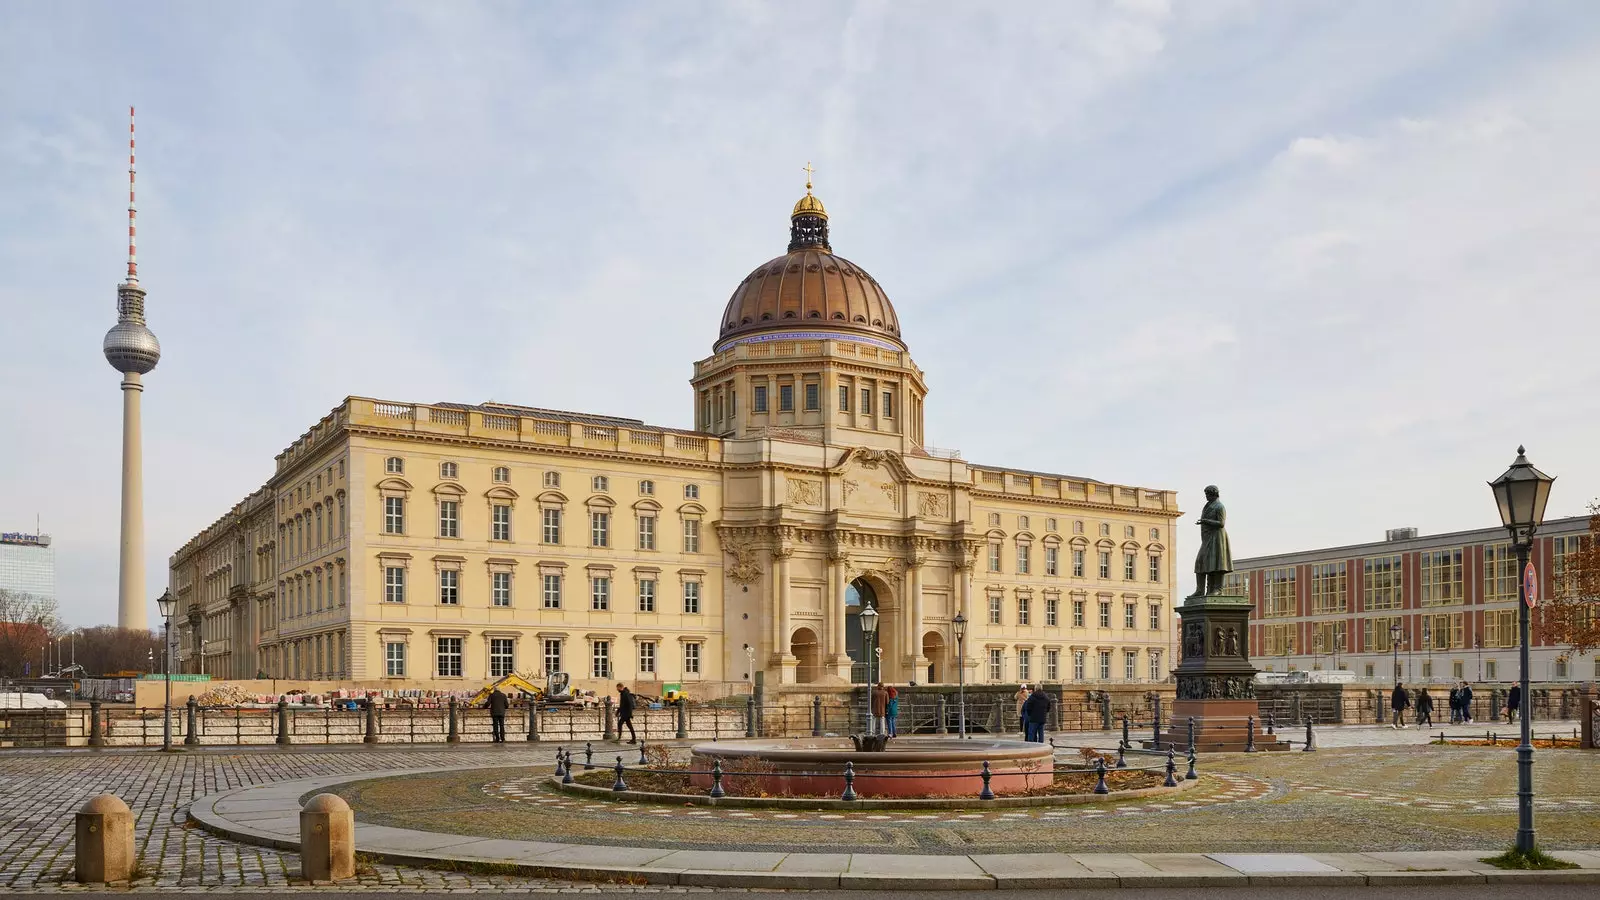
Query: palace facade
{"type": "Point", "coordinates": [442, 545]}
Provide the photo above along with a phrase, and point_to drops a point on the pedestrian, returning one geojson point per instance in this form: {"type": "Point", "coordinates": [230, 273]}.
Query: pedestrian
{"type": "Point", "coordinates": [1035, 712]}
{"type": "Point", "coordinates": [1466, 702]}
{"type": "Point", "coordinates": [891, 709]}
{"type": "Point", "coordinates": [1021, 697]}
{"type": "Point", "coordinates": [498, 702]}
{"type": "Point", "coordinates": [1424, 708]}
{"type": "Point", "coordinates": [625, 713]}
{"type": "Point", "coordinates": [1455, 703]}
{"type": "Point", "coordinates": [880, 708]}
{"type": "Point", "coordinates": [1513, 703]}
{"type": "Point", "coordinates": [1399, 701]}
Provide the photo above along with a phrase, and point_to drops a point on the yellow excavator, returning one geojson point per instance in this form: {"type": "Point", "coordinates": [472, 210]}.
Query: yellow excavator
{"type": "Point", "coordinates": [557, 689]}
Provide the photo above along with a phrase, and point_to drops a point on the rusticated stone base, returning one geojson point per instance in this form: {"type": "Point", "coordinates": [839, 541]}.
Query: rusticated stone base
{"type": "Point", "coordinates": [1220, 726]}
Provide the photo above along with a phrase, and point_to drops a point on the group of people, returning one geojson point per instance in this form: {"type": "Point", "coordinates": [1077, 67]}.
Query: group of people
{"type": "Point", "coordinates": [1033, 711]}
{"type": "Point", "coordinates": [885, 710]}
{"type": "Point", "coordinates": [1401, 700]}
{"type": "Point", "coordinates": [499, 702]}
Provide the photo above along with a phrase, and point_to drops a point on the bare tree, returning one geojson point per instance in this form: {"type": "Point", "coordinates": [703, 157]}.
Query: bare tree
{"type": "Point", "coordinates": [27, 624]}
{"type": "Point", "coordinates": [105, 649]}
{"type": "Point", "coordinates": [1573, 613]}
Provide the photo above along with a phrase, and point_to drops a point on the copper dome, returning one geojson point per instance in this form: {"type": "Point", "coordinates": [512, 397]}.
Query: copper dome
{"type": "Point", "coordinates": [809, 289]}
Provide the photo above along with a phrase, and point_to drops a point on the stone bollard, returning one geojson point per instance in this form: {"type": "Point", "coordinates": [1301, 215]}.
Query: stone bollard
{"type": "Point", "coordinates": [941, 726]}
{"type": "Point", "coordinates": [1105, 711]}
{"type": "Point", "coordinates": [816, 716]}
{"type": "Point", "coordinates": [105, 841]}
{"type": "Point", "coordinates": [191, 736]}
{"type": "Point", "coordinates": [454, 735]}
{"type": "Point", "coordinates": [371, 737]}
{"type": "Point", "coordinates": [609, 733]}
{"type": "Point", "coordinates": [1155, 726]}
{"type": "Point", "coordinates": [327, 839]}
{"type": "Point", "coordinates": [1311, 738]}
{"type": "Point", "coordinates": [750, 716]}
{"type": "Point", "coordinates": [683, 719]}
{"type": "Point", "coordinates": [283, 721]}
{"type": "Point", "coordinates": [1125, 741]}
{"type": "Point", "coordinates": [533, 721]}
{"type": "Point", "coordinates": [96, 737]}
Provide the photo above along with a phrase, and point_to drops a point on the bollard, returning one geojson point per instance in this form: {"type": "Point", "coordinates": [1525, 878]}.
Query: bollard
{"type": "Point", "coordinates": [619, 785]}
{"type": "Point", "coordinates": [716, 779]}
{"type": "Point", "coordinates": [327, 839]}
{"type": "Point", "coordinates": [1311, 739]}
{"type": "Point", "coordinates": [1105, 711]}
{"type": "Point", "coordinates": [96, 739]}
{"type": "Point", "coordinates": [683, 719]}
{"type": "Point", "coordinates": [454, 737]}
{"type": "Point", "coordinates": [986, 794]}
{"type": "Point", "coordinates": [371, 736]}
{"type": "Point", "coordinates": [1172, 770]}
{"type": "Point", "coordinates": [609, 732]}
{"type": "Point", "coordinates": [1272, 721]}
{"type": "Point", "coordinates": [566, 768]}
{"type": "Point", "coordinates": [588, 756]}
{"type": "Point", "coordinates": [191, 738]}
{"type": "Point", "coordinates": [1125, 740]}
{"type": "Point", "coordinates": [533, 721]}
{"type": "Point", "coordinates": [1155, 727]}
{"type": "Point", "coordinates": [1191, 735]}
{"type": "Point", "coordinates": [1192, 773]}
{"type": "Point", "coordinates": [1294, 707]}
{"type": "Point", "coordinates": [1250, 734]}
{"type": "Point", "coordinates": [1122, 762]}
{"type": "Point", "coordinates": [642, 759]}
{"type": "Point", "coordinates": [1100, 770]}
{"type": "Point", "coordinates": [941, 726]}
{"type": "Point", "coordinates": [104, 847]}
{"type": "Point", "coordinates": [816, 716]}
{"type": "Point", "coordinates": [849, 782]}
{"type": "Point", "coordinates": [559, 768]}
{"type": "Point", "coordinates": [283, 721]}
{"type": "Point", "coordinates": [750, 716]}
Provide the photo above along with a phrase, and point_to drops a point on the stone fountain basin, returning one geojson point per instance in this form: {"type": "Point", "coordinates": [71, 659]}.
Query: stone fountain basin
{"type": "Point", "coordinates": [919, 767]}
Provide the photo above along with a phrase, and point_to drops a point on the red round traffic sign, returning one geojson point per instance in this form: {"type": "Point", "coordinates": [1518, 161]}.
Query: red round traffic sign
{"type": "Point", "coordinates": [1530, 585]}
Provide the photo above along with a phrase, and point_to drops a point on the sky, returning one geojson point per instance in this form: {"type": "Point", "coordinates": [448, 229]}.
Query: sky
{"type": "Point", "coordinates": [1339, 258]}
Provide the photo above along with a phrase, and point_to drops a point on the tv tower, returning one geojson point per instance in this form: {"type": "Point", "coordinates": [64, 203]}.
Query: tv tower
{"type": "Point", "coordinates": [132, 349]}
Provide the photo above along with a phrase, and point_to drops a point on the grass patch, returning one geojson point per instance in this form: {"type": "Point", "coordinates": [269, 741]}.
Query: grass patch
{"type": "Point", "coordinates": [1533, 859]}
{"type": "Point", "coordinates": [470, 867]}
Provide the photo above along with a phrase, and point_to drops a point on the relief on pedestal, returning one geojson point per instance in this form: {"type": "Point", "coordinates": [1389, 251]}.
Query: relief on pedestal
{"type": "Point", "coordinates": [1216, 687]}
{"type": "Point", "coordinates": [804, 493]}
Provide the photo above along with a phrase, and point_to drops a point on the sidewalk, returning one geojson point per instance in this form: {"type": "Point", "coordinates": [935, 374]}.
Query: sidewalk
{"type": "Point", "coordinates": [269, 815]}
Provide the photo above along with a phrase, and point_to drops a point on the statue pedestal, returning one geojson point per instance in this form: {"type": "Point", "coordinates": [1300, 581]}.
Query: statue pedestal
{"type": "Point", "coordinates": [1216, 682]}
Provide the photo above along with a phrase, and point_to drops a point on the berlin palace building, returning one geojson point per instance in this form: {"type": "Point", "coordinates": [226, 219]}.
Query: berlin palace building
{"type": "Point", "coordinates": [417, 545]}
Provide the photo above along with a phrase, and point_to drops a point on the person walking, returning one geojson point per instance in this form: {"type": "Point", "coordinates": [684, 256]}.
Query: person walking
{"type": "Point", "coordinates": [1466, 702]}
{"type": "Point", "coordinates": [1455, 703]}
{"type": "Point", "coordinates": [1399, 701]}
{"type": "Point", "coordinates": [498, 703]}
{"type": "Point", "coordinates": [1021, 697]}
{"type": "Point", "coordinates": [1424, 708]}
{"type": "Point", "coordinates": [880, 708]}
{"type": "Point", "coordinates": [891, 710]}
{"type": "Point", "coordinates": [1035, 712]}
{"type": "Point", "coordinates": [625, 703]}
{"type": "Point", "coordinates": [1513, 703]}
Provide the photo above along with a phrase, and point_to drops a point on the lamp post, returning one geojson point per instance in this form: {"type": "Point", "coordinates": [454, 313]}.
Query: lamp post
{"type": "Point", "coordinates": [1316, 650]}
{"type": "Point", "coordinates": [1477, 644]}
{"type": "Point", "coordinates": [1394, 644]}
{"type": "Point", "coordinates": [1427, 646]}
{"type": "Point", "coordinates": [164, 606]}
{"type": "Point", "coordinates": [1521, 493]}
{"type": "Point", "coordinates": [959, 626]}
{"type": "Point", "coordinates": [868, 618]}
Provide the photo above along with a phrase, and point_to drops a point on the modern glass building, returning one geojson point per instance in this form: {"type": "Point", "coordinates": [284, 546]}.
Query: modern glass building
{"type": "Point", "coordinates": [27, 564]}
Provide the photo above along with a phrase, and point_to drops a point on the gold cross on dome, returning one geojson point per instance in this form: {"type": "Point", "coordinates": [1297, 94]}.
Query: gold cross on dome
{"type": "Point", "coordinates": [808, 170]}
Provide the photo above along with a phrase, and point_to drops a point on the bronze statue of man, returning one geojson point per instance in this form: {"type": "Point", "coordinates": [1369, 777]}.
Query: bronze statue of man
{"type": "Point", "coordinates": [1215, 559]}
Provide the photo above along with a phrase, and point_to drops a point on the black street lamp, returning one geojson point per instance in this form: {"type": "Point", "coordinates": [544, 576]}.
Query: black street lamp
{"type": "Point", "coordinates": [959, 626]}
{"type": "Point", "coordinates": [868, 618]}
{"type": "Point", "coordinates": [164, 606]}
{"type": "Point", "coordinates": [1394, 643]}
{"type": "Point", "coordinates": [1521, 494]}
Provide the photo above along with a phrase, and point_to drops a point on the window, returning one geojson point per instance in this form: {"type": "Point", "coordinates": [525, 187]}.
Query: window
{"type": "Point", "coordinates": [1127, 532]}
{"type": "Point", "coordinates": [1499, 574]}
{"type": "Point", "coordinates": [691, 492]}
{"type": "Point", "coordinates": [450, 587]}
{"type": "Point", "coordinates": [600, 654]}
{"type": "Point", "coordinates": [1130, 615]}
{"type": "Point", "coordinates": [1105, 563]}
{"type": "Point", "coordinates": [1052, 560]}
{"type": "Point", "coordinates": [1500, 628]}
{"type": "Point", "coordinates": [552, 479]}
{"type": "Point", "coordinates": [647, 532]}
{"type": "Point", "coordinates": [813, 396]}
{"type": "Point", "coordinates": [994, 556]}
{"type": "Point", "coordinates": [502, 656]}
{"type": "Point", "coordinates": [1129, 564]}
{"type": "Point", "coordinates": [1441, 631]}
{"type": "Point", "coordinates": [866, 401]}
{"type": "Point", "coordinates": [785, 398]}
{"type": "Point", "coordinates": [1105, 613]}
{"type": "Point", "coordinates": [647, 595]}
{"type": "Point", "coordinates": [1024, 665]}
{"type": "Point", "coordinates": [394, 465]}
{"type": "Point", "coordinates": [1052, 665]}
{"type": "Point", "coordinates": [1277, 594]}
{"type": "Point", "coordinates": [1052, 611]}
{"type": "Point", "coordinates": [1375, 634]}
{"type": "Point", "coordinates": [1077, 665]}
{"type": "Point", "coordinates": [691, 535]}
{"type": "Point", "coordinates": [647, 488]}
{"type": "Point", "coordinates": [1155, 535]}
{"type": "Point", "coordinates": [552, 591]}
{"type": "Point", "coordinates": [394, 515]}
{"type": "Point", "coordinates": [994, 609]}
{"type": "Point", "coordinates": [1077, 527]}
{"type": "Point", "coordinates": [552, 526]}
{"type": "Point", "coordinates": [502, 475]}
{"type": "Point", "coordinates": [691, 597]}
{"type": "Point", "coordinates": [1155, 617]}
{"type": "Point", "coordinates": [1441, 577]}
{"type": "Point", "coordinates": [1022, 523]}
{"type": "Point", "coordinates": [1130, 665]}
{"type": "Point", "coordinates": [394, 659]}
{"type": "Point", "coordinates": [760, 401]}
{"type": "Point", "coordinates": [447, 470]}
{"type": "Point", "coordinates": [1023, 551]}
{"type": "Point", "coordinates": [1050, 525]}
{"type": "Point", "coordinates": [500, 522]}
{"type": "Point", "coordinates": [599, 529]}
{"type": "Point", "coordinates": [994, 520]}
{"type": "Point", "coordinates": [1077, 613]}
{"type": "Point", "coordinates": [1077, 563]}
{"type": "Point", "coordinates": [1155, 666]}
{"type": "Point", "coordinates": [552, 656]}
{"type": "Point", "coordinates": [997, 664]}
{"type": "Point", "coordinates": [1105, 665]}
{"type": "Point", "coordinates": [600, 484]}
{"type": "Point", "coordinates": [1023, 604]}
{"type": "Point", "coordinates": [1328, 581]}
{"type": "Point", "coordinates": [844, 398]}
{"type": "Point", "coordinates": [500, 588]}
{"type": "Point", "coordinates": [1105, 529]}
{"type": "Point", "coordinates": [647, 653]}
{"type": "Point", "coordinates": [691, 658]}
{"type": "Point", "coordinates": [1491, 671]}
{"type": "Point", "coordinates": [449, 657]}
{"type": "Point", "coordinates": [394, 584]}
{"type": "Point", "coordinates": [1277, 640]}
{"type": "Point", "coordinates": [888, 404]}
{"type": "Point", "coordinates": [1155, 568]}
{"type": "Point", "coordinates": [1561, 667]}
{"type": "Point", "coordinates": [600, 593]}
{"type": "Point", "coordinates": [449, 519]}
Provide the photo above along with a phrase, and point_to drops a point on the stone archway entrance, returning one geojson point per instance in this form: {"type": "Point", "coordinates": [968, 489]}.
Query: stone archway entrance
{"type": "Point", "coordinates": [859, 594]}
{"type": "Point", "coordinates": [933, 650]}
{"type": "Point", "coordinates": [803, 645]}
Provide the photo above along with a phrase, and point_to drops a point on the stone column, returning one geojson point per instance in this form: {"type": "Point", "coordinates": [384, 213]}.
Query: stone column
{"type": "Point", "coordinates": [838, 658]}
{"type": "Point", "coordinates": [914, 658]}
{"type": "Point", "coordinates": [781, 651]}
{"type": "Point", "coordinates": [963, 574]}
